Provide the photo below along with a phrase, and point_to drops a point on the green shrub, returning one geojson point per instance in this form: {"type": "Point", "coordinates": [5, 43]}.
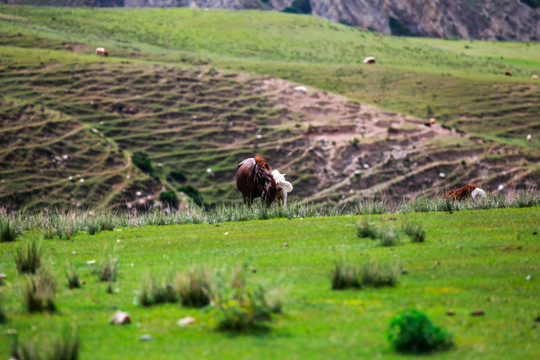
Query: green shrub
{"type": "Point", "coordinates": [108, 268]}
{"type": "Point", "coordinates": [415, 231]}
{"type": "Point", "coordinates": [194, 287]}
{"type": "Point", "coordinates": [72, 277]}
{"type": "Point", "coordinates": [39, 291]}
{"type": "Point", "coordinates": [177, 175]}
{"type": "Point", "coordinates": [141, 160]}
{"type": "Point", "coordinates": [398, 29]}
{"type": "Point", "coordinates": [9, 231]}
{"type": "Point", "coordinates": [194, 194]}
{"type": "Point", "coordinates": [412, 332]}
{"type": "Point", "coordinates": [28, 257]}
{"type": "Point", "coordinates": [168, 198]}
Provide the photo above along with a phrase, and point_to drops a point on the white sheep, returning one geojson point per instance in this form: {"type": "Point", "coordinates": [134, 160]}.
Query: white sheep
{"type": "Point", "coordinates": [283, 187]}
{"type": "Point", "coordinates": [478, 192]}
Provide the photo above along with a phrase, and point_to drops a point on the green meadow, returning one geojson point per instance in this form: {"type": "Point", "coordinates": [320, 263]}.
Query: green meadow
{"type": "Point", "coordinates": [476, 260]}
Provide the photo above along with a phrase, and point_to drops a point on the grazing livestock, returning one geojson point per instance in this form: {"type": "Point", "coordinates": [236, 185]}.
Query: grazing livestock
{"type": "Point", "coordinates": [534, 77]}
{"type": "Point", "coordinates": [369, 60]}
{"type": "Point", "coordinates": [507, 73]}
{"type": "Point", "coordinates": [529, 137]}
{"type": "Point", "coordinates": [465, 192]}
{"type": "Point", "coordinates": [254, 179]}
{"type": "Point", "coordinates": [102, 51]}
{"type": "Point", "coordinates": [301, 89]}
{"type": "Point", "coordinates": [283, 187]}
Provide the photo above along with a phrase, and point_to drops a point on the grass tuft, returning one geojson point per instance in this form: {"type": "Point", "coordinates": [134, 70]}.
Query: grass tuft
{"type": "Point", "coordinates": [108, 268]}
{"type": "Point", "coordinates": [371, 273]}
{"type": "Point", "coordinates": [65, 347]}
{"type": "Point", "coordinates": [9, 230]}
{"type": "Point", "coordinates": [194, 287]}
{"type": "Point", "coordinates": [28, 257]}
{"type": "Point", "coordinates": [72, 276]}
{"type": "Point", "coordinates": [415, 231]}
{"type": "Point", "coordinates": [242, 308]}
{"type": "Point", "coordinates": [156, 292]}
{"type": "Point", "coordinates": [412, 332]}
{"type": "Point", "coordinates": [389, 236]}
{"type": "Point", "coordinates": [365, 229]}
{"type": "Point", "coordinates": [39, 291]}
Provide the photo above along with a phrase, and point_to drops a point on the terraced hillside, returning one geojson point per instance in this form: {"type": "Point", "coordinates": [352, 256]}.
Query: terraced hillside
{"type": "Point", "coordinates": [67, 113]}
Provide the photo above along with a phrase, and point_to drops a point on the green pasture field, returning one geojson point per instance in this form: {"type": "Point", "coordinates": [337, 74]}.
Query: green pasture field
{"type": "Point", "coordinates": [461, 83]}
{"type": "Point", "coordinates": [471, 260]}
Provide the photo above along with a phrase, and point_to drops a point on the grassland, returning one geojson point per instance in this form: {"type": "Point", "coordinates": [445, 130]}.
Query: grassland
{"type": "Point", "coordinates": [189, 104]}
{"type": "Point", "coordinates": [471, 260]}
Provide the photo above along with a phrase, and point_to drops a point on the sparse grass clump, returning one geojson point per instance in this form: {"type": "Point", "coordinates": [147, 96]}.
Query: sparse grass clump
{"type": "Point", "coordinates": [3, 317]}
{"type": "Point", "coordinates": [156, 292]}
{"type": "Point", "coordinates": [9, 230]}
{"type": "Point", "coordinates": [39, 292]}
{"type": "Point", "coordinates": [242, 308]}
{"type": "Point", "coordinates": [194, 287]}
{"type": "Point", "coordinates": [412, 332]}
{"type": "Point", "coordinates": [365, 229]}
{"type": "Point", "coordinates": [108, 268]}
{"type": "Point", "coordinates": [65, 347]}
{"type": "Point", "coordinates": [389, 236]}
{"type": "Point", "coordinates": [72, 276]}
{"type": "Point", "coordinates": [415, 231]}
{"type": "Point", "coordinates": [345, 276]}
{"type": "Point", "coordinates": [28, 257]}
{"type": "Point", "coordinates": [369, 274]}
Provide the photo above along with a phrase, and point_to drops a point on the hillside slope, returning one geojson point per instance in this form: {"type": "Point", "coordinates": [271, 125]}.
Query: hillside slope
{"type": "Point", "coordinates": [195, 122]}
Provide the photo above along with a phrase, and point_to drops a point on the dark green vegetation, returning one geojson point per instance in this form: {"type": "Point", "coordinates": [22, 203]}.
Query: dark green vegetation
{"type": "Point", "coordinates": [412, 331]}
{"type": "Point", "coordinates": [470, 261]}
{"type": "Point", "coordinates": [162, 110]}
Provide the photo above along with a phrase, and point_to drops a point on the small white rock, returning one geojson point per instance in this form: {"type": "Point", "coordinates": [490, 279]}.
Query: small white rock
{"type": "Point", "coordinates": [160, 165]}
{"type": "Point", "coordinates": [366, 166]}
{"type": "Point", "coordinates": [81, 180]}
{"type": "Point", "coordinates": [74, 252]}
{"type": "Point", "coordinates": [70, 178]}
{"type": "Point", "coordinates": [186, 321]}
{"type": "Point", "coordinates": [259, 136]}
{"type": "Point", "coordinates": [501, 187]}
{"type": "Point", "coordinates": [65, 157]}
{"type": "Point", "coordinates": [529, 277]}
{"type": "Point", "coordinates": [95, 131]}
{"type": "Point", "coordinates": [227, 233]}
{"type": "Point", "coordinates": [145, 337]}
{"type": "Point", "coordinates": [301, 89]}
{"type": "Point", "coordinates": [138, 193]}
{"type": "Point", "coordinates": [90, 262]}
{"type": "Point", "coordinates": [442, 175]}
{"type": "Point", "coordinates": [128, 177]}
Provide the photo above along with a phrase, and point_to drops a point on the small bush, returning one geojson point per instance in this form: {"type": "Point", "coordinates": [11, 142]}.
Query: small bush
{"type": "Point", "coordinates": [168, 198]}
{"type": "Point", "coordinates": [345, 276]}
{"type": "Point", "coordinates": [177, 176]}
{"type": "Point", "coordinates": [194, 288]}
{"type": "Point", "coordinates": [194, 194]}
{"type": "Point", "coordinates": [9, 231]}
{"type": "Point", "coordinates": [142, 161]}
{"type": "Point", "coordinates": [107, 269]}
{"type": "Point", "coordinates": [28, 257]}
{"type": "Point", "coordinates": [415, 231]}
{"type": "Point", "coordinates": [365, 229]}
{"type": "Point", "coordinates": [412, 331]}
{"type": "Point", "coordinates": [39, 291]}
{"type": "Point", "coordinates": [65, 347]}
{"type": "Point", "coordinates": [72, 277]}
{"type": "Point", "coordinates": [155, 292]}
